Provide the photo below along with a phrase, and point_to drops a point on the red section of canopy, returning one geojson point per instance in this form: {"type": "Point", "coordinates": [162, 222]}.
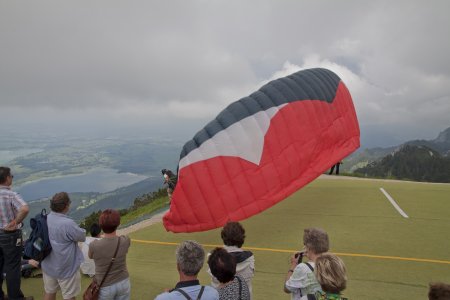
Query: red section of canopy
{"type": "Point", "coordinates": [304, 139]}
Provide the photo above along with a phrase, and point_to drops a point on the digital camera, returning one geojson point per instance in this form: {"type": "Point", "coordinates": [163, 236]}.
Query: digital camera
{"type": "Point", "coordinates": [299, 256]}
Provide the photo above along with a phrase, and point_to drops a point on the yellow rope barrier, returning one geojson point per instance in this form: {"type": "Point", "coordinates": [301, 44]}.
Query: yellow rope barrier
{"type": "Point", "coordinates": [292, 251]}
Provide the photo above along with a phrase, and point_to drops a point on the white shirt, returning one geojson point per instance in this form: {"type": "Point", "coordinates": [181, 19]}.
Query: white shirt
{"type": "Point", "coordinates": [88, 266]}
{"type": "Point", "coordinates": [302, 282]}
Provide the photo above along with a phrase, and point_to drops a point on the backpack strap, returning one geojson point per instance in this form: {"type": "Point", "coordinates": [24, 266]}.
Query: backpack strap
{"type": "Point", "coordinates": [309, 266]}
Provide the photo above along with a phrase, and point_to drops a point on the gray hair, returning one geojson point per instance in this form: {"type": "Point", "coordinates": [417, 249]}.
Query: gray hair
{"type": "Point", "coordinates": [316, 240]}
{"type": "Point", "coordinates": [190, 257]}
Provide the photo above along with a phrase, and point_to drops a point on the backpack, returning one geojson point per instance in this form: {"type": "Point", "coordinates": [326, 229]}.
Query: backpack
{"type": "Point", "coordinates": [38, 246]}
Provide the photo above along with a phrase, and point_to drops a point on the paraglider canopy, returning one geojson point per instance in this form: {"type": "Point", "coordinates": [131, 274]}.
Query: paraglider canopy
{"type": "Point", "coordinates": [263, 148]}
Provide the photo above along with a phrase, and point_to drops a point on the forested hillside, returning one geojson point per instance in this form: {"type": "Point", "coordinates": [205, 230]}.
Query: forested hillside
{"type": "Point", "coordinates": [419, 163]}
{"type": "Point", "coordinates": [83, 204]}
{"type": "Point", "coordinates": [364, 157]}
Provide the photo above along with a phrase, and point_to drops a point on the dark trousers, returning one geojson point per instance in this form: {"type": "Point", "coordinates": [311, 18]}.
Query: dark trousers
{"type": "Point", "coordinates": [337, 169]}
{"type": "Point", "coordinates": [10, 261]}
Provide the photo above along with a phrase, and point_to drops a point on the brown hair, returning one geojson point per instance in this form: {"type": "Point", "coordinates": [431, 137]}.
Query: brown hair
{"type": "Point", "coordinates": [222, 265]}
{"type": "Point", "coordinates": [331, 273]}
{"type": "Point", "coordinates": [233, 234]}
{"type": "Point", "coordinates": [316, 240]}
{"type": "Point", "coordinates": [439, 291]}
{"type": "Point", "coordinates": [4, 173]}
{"type": "Point", "coordinates": [109, 220]}
{"type": "Point", "coordinates": [59, 202]}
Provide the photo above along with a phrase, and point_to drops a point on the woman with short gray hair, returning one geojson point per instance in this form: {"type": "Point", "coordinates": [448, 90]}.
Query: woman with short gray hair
{"type": "Point", "coordinates": [300, 279]}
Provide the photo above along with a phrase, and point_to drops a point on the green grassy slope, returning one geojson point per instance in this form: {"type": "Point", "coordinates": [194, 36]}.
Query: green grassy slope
{"type": "Point", "coordinates": [359, 220]}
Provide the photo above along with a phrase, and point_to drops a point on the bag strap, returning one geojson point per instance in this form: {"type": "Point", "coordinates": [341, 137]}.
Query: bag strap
{"type": "Point", "coordinates": [309, 266]}
{"type": "Point", "coordinates": [240, 287]}
{"type": "Point", "coordinates": [186, 295]}
{"type": "Point", "coordinates": [183, 293]}
{"type": "Point", "coordinates": [201, 292]}
{"type": "Point", "coordinates": [111, 263]}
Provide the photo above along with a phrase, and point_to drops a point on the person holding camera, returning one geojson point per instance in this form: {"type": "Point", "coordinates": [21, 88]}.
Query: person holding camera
{"type": "Point", "coordinates": [300, 278]}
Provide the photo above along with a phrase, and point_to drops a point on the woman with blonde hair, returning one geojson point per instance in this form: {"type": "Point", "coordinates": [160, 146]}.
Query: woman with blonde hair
{"type": "Point", "coordinates": [331, 274]}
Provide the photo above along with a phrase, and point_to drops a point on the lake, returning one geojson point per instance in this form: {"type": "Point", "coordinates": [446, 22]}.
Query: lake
{"type": "Point", "coordinates": [97, 180]}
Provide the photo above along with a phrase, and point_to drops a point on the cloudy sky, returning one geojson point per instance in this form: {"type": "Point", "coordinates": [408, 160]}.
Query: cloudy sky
{"type": "Point", "coordinates": [168, 67]}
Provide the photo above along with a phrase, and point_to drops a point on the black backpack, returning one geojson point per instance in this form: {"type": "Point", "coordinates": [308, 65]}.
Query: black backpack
{"type": "Point", "coordinates": [38, 246]}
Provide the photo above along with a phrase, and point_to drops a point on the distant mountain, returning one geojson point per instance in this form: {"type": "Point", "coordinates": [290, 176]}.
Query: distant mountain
{"type": "Point", "coordinates": [362, 158]}
{"type": "Point", "coordinates": [440, 144]}
{"type": "Point", "coordinates": [410, 162]}
{"type": "Point", "coordinates": [83, 204]}
{"type": "Point", "coordinates": [117, 199]}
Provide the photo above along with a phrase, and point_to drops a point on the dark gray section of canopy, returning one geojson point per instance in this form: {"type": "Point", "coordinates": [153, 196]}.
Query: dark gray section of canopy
{"type": "Point", "coordinates": [312, 84]}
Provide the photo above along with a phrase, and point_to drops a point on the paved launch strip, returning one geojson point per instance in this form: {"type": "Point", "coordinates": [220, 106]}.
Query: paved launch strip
{"type": "Point", "coordinates": [400, 211]}
{"type": "Point", "coordinates": [293, 251]}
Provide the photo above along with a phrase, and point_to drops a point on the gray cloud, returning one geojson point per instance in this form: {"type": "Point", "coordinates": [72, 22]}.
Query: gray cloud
{"type": "Point", "coordinates": [139, 63]}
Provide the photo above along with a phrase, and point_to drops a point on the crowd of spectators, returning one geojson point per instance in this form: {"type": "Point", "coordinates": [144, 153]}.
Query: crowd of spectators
{"type": "Point", "coordinates": [103, 256]}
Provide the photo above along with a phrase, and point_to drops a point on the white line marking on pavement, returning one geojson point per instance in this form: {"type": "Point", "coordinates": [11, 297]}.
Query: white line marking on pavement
{"type": "Point", "coordinates": [400, 211]}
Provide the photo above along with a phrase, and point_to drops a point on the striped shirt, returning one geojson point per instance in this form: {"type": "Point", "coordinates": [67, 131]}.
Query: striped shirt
{"type": "Point", "coordinates": [10, 204]}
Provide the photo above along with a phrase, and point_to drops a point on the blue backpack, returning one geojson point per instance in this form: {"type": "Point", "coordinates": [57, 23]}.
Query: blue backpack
{"type": "Point", "coordinates": [38, 246]}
